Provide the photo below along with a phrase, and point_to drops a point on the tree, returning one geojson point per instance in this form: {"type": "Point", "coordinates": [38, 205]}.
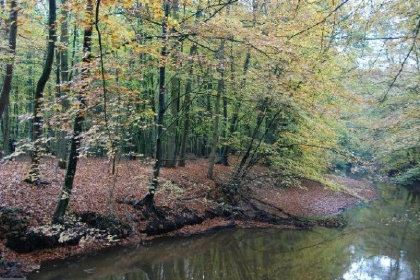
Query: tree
{"type": "Point", "coordinates": [219, 93]}
{"type": "Point", "coordinates": [79, 119]}
{"type": "Point", "coordinates": [148, 199]}
{"type": "Point", "coordinates": [187, 106]}
{"type": "Point", "coordinates": [63, 76]}
{"type": "Point", "coordinates": [7, 83]}
{"type": "Point", "coordinates": [33, 175]}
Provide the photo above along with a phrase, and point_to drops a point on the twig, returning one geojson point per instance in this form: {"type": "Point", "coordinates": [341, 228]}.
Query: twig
{"type": "Point", "coordinates": [319, 22]}
{"type": "Point", "coordinates": [403, 64]}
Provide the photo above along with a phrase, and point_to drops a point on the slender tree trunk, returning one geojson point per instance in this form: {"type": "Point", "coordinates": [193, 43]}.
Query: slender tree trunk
{"type": "Point", "coordinates": [64, 40]}
{"type": "Point", "coordinates": [173, 136]}
{"type": "Point", "coordinates": [205, 146]}
{"type": "Point", "coordinates": [64, 198]}
{"type": "Point", "coordinates": [15, 128]}
{"type": "Point", "coordinates": [173, 126]}
{"type": "Point", "coordinates": [235, 114]}
{"type": "Point", "coordinates": [29, 93]}
{"type": "Point", "coordinates": [7, 84]}
{"type": "Point", "coordinates": [268, 129]}
{"type": "Point", "coordinates": [152, 133]}
{"type": "Point", "coordinates": [73, 53]}
{"type": "Point", "coordinates": [245, 157]}
{"type": "Point", "coordinates": [204, 113]}
{"type": "Point", "coordinates": [5, 126]}
{"type": "Point", "coordinates": [33, 176]}
{"type": "Point", "coordinates": [220, 90]}
{"type": "Point", "coordinates": [112, 148]}
{"type": "Point", "coordinates": [63, 78]}
{"type": "Point", "coordinates": [187, 105]}
{"type": "Point", "coordinates": [148, 200]}
{"type": "Point", "coordinates": [224, 154]}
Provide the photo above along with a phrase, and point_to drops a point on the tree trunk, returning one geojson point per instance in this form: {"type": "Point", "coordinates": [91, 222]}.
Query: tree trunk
{"type": "Point", "coordinates": [187, 105]}
{"type": "Point", "coordinates": [148, 200]}
{"type": "Point", "coordinates": [15, 128]}
{"type": "Point", "coordinates": [63, 78]}
{"type": "Point", "coordinates": [33, 176]}
{"type": "Point", "coordinates": [205, 145]}
{"type": "Point", "coordinates": [235, 114]}
{"type": "Point", "coordinates": [173, 137]}
{"type": "Point", "coordinates": [7, 144]}
{"type": "Point", "coordinates": [64, 198]}
{"type": "Point", "coordinates": [7, 84]}
{"type": "Point", "coordinates": [220, 89]}
{"type": "Point", "coordinates": [245, 157]}
{"type": "Point", "coordinates": [224, 154]}
{"type": "Point", "coordinates": [173, 126]}
{"type": "Point", "coordinates": [254, 158]}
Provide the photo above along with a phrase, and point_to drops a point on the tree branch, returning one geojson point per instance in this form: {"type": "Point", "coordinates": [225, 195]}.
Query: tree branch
{"type": "Point", "coordinates": [416, 33]}
{"type": "Point", "coordinates": [321, 21]}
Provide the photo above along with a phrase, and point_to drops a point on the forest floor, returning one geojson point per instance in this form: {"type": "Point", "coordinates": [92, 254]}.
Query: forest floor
{"type": "Point", "coordinates": [183, 192]}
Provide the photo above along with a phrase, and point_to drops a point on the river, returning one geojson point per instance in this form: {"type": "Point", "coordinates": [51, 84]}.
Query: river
{"type": "Point", "coordinates": [381, 242]}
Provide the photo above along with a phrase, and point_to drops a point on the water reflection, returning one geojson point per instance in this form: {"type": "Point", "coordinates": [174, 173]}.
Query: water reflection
{"type": "Point", "coordinates": [379, 268]}
{"type": "Point", "coordinates": [382, 241]}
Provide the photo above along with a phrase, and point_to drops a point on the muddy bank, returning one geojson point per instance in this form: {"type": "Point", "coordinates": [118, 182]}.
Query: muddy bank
{"type": "Point", "coordinates": [189, 204]}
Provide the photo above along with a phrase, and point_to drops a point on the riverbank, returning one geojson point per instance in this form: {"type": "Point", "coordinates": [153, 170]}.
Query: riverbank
{"type": "Point", "coordinates": [185, 195]}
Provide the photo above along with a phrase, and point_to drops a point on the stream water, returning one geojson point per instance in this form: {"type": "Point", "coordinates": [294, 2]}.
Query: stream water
{"type": "Point", "coordinates": [381, 242]}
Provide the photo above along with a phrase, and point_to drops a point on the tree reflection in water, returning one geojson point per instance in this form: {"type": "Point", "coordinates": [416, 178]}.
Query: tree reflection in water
{"type": "Point", "coordinates": [382, 241]}
{"type": "Point", "coordinates": [380, 268]}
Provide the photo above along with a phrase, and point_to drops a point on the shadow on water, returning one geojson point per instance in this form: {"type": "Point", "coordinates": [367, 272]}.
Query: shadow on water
{"type": "Point", "coordinates": [381, 241]}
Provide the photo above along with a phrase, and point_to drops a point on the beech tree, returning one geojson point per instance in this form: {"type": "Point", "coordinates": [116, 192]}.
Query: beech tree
{"type": "Point", "coordinates": [63, 75]}
{"type": "Point", "coordinates": [76, 138]}
{"type": "Point", "coordinates": [33, 175]}
{"type": "Point", "coordinates": [148, 199]}
{"type": "Point", "coordinates": [7, 82]}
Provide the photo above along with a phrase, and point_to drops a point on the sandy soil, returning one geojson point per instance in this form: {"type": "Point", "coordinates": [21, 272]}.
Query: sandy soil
{"type": "Point", "coordinates": [96, 190]}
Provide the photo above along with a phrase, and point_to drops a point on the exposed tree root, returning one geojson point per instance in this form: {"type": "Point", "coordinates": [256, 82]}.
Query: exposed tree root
{"type": "Point", "coordinates": [173, 222]}
{"type": "Point", "coordinates": [237, 206]}
{"type": "Point", "coordinates": [36, 182]}
{"type": "Point", "coordinates": [148, 205]}
{"type": "Point", "coordinates": [264, 216]}
{"type": "Point", "coordinates": [274, 207]}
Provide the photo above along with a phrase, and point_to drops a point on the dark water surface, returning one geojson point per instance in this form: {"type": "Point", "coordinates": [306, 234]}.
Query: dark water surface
{"type": "Point", "coordinates": [381, 242]}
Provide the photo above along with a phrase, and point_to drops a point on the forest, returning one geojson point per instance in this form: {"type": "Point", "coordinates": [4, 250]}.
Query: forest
{"type": "Point", "coordinates": [143, 104]}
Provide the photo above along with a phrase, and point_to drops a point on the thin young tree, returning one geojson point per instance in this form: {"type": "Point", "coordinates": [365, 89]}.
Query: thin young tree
{"type": "Point", "coordinates": [235, 114]}
{"type": "Point", "coordinates": [187, 106]}
{"type": "Point", "coordinates": [148, 200]}
{"type": "Point", "coordinates": [175, 92]}
{"type": "Point", "coordinates": [220, 90]}
{"type": "Point", "coordinates": [33, 176]}
{"type": "Point", "coordinates": [63, 79]}
{"type": "Point", "coordinates": [75, 141]}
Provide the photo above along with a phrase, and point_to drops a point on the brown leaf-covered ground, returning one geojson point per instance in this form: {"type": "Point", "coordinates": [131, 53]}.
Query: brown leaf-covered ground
{"type": "Point", "coordinates": [96, 190]}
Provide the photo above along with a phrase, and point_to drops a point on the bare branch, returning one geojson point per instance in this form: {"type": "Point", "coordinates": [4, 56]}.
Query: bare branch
{"type": "Point", "coordinates": [416, 33]}
{"type": "Point", "coordinates": [321, 21]}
